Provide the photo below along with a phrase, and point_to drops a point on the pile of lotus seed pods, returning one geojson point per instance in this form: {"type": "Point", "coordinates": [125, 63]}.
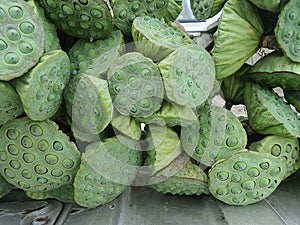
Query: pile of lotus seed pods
{"type": "Point", "coordinates": [97, 96]}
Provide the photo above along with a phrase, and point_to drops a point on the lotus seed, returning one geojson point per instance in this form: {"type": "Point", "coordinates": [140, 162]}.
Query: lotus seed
{"type": "Point", "coordinates": [12, 134]}
{"type": "Point", "coordinates": [57, 146]}
{"type": "Point", "coordinates": [253, 172]}
{"type": "Point", "coordinates": [236, 178]}
{"type": "Point", "coordinates": [240, 165]}
{"type": "Point", "coordinates": [11, 58]}
{"type": "Point", "coordinates": [9, 173]}
{"type": "Point", "coordinates": [223, 176]}
{"type": "Point", "coordinates": [56, 172]}
{"type": "Point", "coordinates": [236, 191]}
{"type": "Point", "coordinates": [26, 174]}
{"type": "Point", "coordinates": [43, 145]}
{"type": "Point", "coordinates": [3, 156]}
{"type": "Point", "coordinates": [51, 159]}
{"type": "Point", "coordinates": [39, 169]}
{"type": "Point", "coordinates": [28, 157]}
{"type": "Point", "coordinates": [15, 12]}
{"type": "Point", "coordinates": [26, 142]}
{"type": "Point", "coordinates": [3, 45]}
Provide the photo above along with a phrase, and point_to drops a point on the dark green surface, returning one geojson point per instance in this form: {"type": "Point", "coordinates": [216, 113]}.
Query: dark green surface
{"type": "Point", "coordinates": [143, 206]}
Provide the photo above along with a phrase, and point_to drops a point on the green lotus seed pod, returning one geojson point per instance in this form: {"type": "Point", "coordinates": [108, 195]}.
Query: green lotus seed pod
{"type": "Point", "coordinates": [135, 85]}
{"type": "Point", "coordinates": [88, 103]}
{"type": "Point", "coordinates": [293, 98]}
{"type": "Point", "coordinates": [51, 41]}
{"type": "Point", "coordinates": [204, 9]}
{"type": "Point", "coordinates": [106, 169]}
{"type": "Point", "coordinates": [36, 156]}
{"type": "Point", "coordinates": [5, 187]}
{"type": "Point", "coordinates": [233, 87]}
{"type": "Point", "coordinates": [189, 180]}
{"type": "Point", "coordinates": [126, 11]}
{"type": "Point", "coordinates": [173, 10]}
{"type": "Point", "coordinates": [10, 103]}
{"type": "Point", "coordinates": [163, 147]}
{"type": "Point", "coordinates": [90, 20]}
{"type": "Point", "coordinates": [127, 125]}
{"type": "Point", "coordinates": [270, 5]}
{"type": "Point", "coordinates": [63, 193]}
{"type": "Point", "coordinates": [246, 177]}
{"type": "Point", "coordinates": [276, 70]}
{"type": "Point", "coordinates": [286, 149]}
{"type": "Point", "coordinates": [188, 75]}
{"type": "Point", "coordinates": [41, 88]}
{"type": "Point", "coordinates": [234, 45]}
{"type": "Point", "coordinates": [217, 135]}
{"type": "Point", "coordinates": [21, 38]}
{"type": "Point", "coordinates": [156, 39]}
{"type": "Point", "coordinates": [95, 58]}
{"type": "Point", "coordinates": [269, 114]}
{"type": "Point", "coordinates": [171, 114]}
{"type": "Point", "coordinates": [286, 31]}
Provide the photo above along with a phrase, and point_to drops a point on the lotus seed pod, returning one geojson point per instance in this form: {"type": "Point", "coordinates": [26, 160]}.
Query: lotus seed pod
{"type": "Point", "coordinates": [245, 177]}
{"type": "Point", "coordinates": [287, 32]}
{"type": "Point", "coordinates": [127, 125]}
{"type": "Point", "coordinates": [90, 20]}
{"type": "Point", "coordinates": [276, 70]}
{"type": "Point", "coordinates": [173, 10]}
{"type": "Point", "coordinates": [217, 135]}
{"type": "Point", "coordinates": [126, 11]}
{"type": "Point", "coordinates": [64, 194]}
{"type": "Point", "coordinates": [156, 39]}
{"type": "Point", "coordinates": [5, 187]}
{"type": "Point", "coordinates": [88, 103]}
{"type": "Point", "coordinates": [51, 41]}
{"type": "Point", "coordinates": [10, 103]}
{"type": "Point", "coordinates": [163, 147]}
{"type": "Point", "coordinates": [106, 169]}
{"type": "Point", "coordinates": [293, 98]}
{"type": "Point", "coordinates": [95, 58]}
{"type": "Point", "coordinates": [135, 85]}
{"type": "Point", "coordinates": [269, 114]}
{"type": "Point", "coordinates": [188, 75]}
{"type": "Point", "coordinates": [204, 9]}
{"type": "Point", "coordinates": [247, 31]}
{"type": "Point", "coordinates": [171, 114]}
{"type": "Point", "coordinates": [189, 180]}
{"type": "Point", "coordinates": [41, 88]}
{"type": "Point", "coordinates": [21, 38]}
{"type": "Point", "coordinates": [36, 156]}
{"type": "Point", "coordinates": [270, 5]}
{"type": "Point", "coordinates": [286, 149]}
{"type": "Point", "coordinates": [233, 87]}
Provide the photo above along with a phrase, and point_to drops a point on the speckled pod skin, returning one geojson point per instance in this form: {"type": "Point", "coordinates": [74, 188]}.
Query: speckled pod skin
{"type": "Point", "coordinates": [125, 11]}
{"type": "Point", "coordinates": [293, 97]}
{"type": "Point", "coordinates": [173, 10]}
{"type": "Point", "coordinates": [217, 135]}
{"type": "Point", "coordinates": [235, 44]}
{"type": "Point", "coordinates": [51, 41]}
{"type": "Point", "coordinates": [189, 180]}
{"type": "Point", "coordinates": [64, 194]}
{"type": "Point", "coordinates": [233, 87]}
{"type": "Point", "coordinates": [36, 156]}
{"type": "Point", "coordinates": [204, 9]}
{"type": "Point", "coordinates": [163, 147]}
{"type": "Point", "coordinates": [188, 74]}
{"type": "Point", "coordinates": [268, 113]}
{"type": "Point", "coordinates": [95, 58]}
{"type": "Point", "coordinates": [5, 187]}
{"type": "Point", "coordinates": [156, 39]}
{"type": "Point", "coordinates": [86, 19]}
{"type": "Point", "coordinates": [10, 103]}
{"type": "Point", "coordinates": [286, 30]}
{"type": "Point", "coordinates": [277, 70]}
{"type": "Point", "coordinates": [21, 38]}
{"type": "Point", "coordinates": [95, 183]}
{"type": "Point", "coordinates": [246, 177]}
{"type": "Point", "coordinates": [286, 149]}
{"type": "Point", "coordinates": [41, 88]}
{"type": "Point", "coordinates": [270, 5]}
{"type": "Point", "coordinates": [171, 114]}
{"type": "Point", "coordinates": [88, 103]}
{"type": "Point", "coordinates": [127, 125]}
{"type": "Point", "coordinates": [135, 85]}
